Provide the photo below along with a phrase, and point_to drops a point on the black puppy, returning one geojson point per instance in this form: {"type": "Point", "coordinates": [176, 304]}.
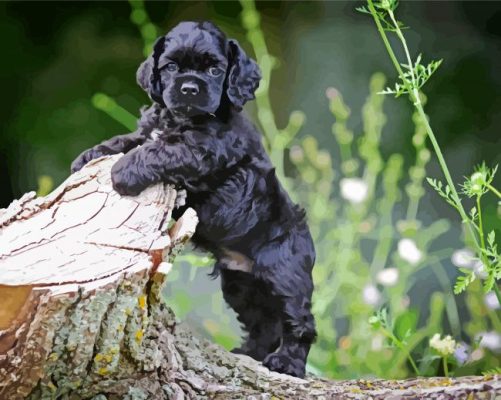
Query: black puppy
{"type": "Point", "coordinates": [195, 138]}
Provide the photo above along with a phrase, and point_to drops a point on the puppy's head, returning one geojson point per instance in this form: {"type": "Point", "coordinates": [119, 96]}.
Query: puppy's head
{"type": "Point", "coordinates": [194, 69]}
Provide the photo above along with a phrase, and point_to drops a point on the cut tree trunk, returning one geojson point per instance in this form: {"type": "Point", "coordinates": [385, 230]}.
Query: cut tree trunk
{"type": "Point", "coordinates": [82, 315]}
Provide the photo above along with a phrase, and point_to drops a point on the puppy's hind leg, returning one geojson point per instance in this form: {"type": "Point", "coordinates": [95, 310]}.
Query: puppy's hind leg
{"type": "Point", "coordinates": [251, 300]}
{"type": "Point", "coordinates": [291, 281]}
{"type": "Point", "coordinates": [298, 335]}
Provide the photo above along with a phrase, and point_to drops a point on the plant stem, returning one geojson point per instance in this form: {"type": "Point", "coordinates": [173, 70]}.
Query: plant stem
{"type": "Point", "coordinates": [446, 367]}
{"type": "Point", "coordinates": [407, 55]}
{"type": "Point", "coordinates": [450, 301]}
{"type": "Point", "coordinates": [266, 62]}
{"type": "Point", "coordinates": [443, 165]}
{"type": "Point", "coordinates": [414, 366]}
{"type": "Point", "coordinates": [494, 190]}
{"type": "Point", "coordinates": [480, 225]}
{"type": "Point", "coordinates": [401, 346]}
{"type": "Point", "coordinates": [386, 42]}
{"type": "Point", "coordinates": [482, 243]}
{"type": "Point", "coordinates": [414, 94]}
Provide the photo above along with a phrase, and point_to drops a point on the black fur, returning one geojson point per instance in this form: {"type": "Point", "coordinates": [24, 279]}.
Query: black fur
{"type": "Point", "coordinates": [195, 138]}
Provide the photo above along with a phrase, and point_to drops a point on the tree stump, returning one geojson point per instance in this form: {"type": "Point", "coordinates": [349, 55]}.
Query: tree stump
{"type": "Point", "coordinates": [82, 314]}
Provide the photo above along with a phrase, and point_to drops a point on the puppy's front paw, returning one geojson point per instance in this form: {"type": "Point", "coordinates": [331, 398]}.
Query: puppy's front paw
{"type": "Point", "coordinates": [284, 364]}
{"type": "Point", "coordinates": [125, 181]}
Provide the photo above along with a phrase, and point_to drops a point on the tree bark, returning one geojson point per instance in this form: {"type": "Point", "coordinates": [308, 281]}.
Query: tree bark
{"type": "Point", "coordinates": [82, 315]}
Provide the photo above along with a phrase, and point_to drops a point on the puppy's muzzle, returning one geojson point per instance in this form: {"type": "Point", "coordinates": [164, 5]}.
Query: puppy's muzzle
{"type": "Point", "coordinates": [190, 89]}
{"type": "Point", "coordinates": [189, 96]}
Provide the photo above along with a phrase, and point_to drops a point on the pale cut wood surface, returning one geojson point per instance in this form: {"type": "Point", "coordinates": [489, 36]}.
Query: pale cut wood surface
{"type": "Point", "coordinates": [70, 235]}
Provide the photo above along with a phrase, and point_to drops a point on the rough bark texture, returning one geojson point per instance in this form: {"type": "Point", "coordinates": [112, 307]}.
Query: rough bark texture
{"type": "Point", "coordinates": [81, 313]}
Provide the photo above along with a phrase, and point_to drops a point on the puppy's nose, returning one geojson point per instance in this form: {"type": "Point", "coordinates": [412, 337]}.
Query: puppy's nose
{"type": "Point", "coordinates": [189, 88]}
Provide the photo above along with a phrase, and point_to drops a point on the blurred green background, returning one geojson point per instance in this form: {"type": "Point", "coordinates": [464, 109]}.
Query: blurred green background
{"type": "Point", "coordinates": [57, 55]}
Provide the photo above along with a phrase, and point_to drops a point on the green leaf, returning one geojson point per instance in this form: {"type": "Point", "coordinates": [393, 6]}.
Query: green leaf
{"type": "Point", "coordinates": [374, 322]}
{"type": "Point", "coordinates": [493, 371]}
{"type": "Point", "coordinates": [463, 281]}
{"type": "Point", "coordinates": [473, 213]}
{"type": "Point", "coordinates": [430, 358]}
{"type": "Point", "coordinates": [489, 282]}
{"type": "Point", "coordinates": [362, 10]}
{"type": "Point", "coordinates": [387, 4]}
{"type": "Point", "coordinates": [406, 322]}
{"type": "Point", "coordinates": [491, 238]}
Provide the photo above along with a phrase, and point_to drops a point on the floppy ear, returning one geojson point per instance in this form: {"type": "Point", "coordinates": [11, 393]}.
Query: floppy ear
{"type": "Point", "coordinates": [243, 77]}
{"type": "Point", "coordinates": [148, 75]}
{"type": "Point", "coordinates": [143, 74]}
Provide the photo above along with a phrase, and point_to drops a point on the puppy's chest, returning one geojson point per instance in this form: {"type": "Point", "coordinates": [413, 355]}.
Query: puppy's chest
{"type": "Point", "coordinates": [155, 135]}
{"type": "Point", "coordinates": [177, 135]}
{"type": "Point", "coordinates": [166, 136]}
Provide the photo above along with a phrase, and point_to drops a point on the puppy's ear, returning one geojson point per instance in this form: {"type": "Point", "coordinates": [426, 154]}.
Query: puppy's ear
{"type": "Point", "coordinates": [143, 74]}
{"type": "Point", "coordinates": [243, 77]}
{"type": "Point", "coordinates": [148, 75]}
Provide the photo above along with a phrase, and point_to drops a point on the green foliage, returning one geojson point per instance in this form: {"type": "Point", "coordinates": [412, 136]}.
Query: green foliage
{"type": "Point", "coordinates": [382, 9]}
{"type": "Point", "coordinates": [397, 335]}
{"type": "Point", "coordinates": [412, 77]}
{"type": "Point", "coordinates": [106, 104]}
{"type": "Point", "coordinates": [405, 324]}
{"type": "Point", "coordinates": [148, 30]}
{"type": "Point", "coordinates": [463, 281]}
{"type": "Point", "coordinates": [344, 270]}
{"type": "Point", "coordinates": [444, 191]}
{"type": "Point", "coordinates": [493, 371]}
{"type": "Point", "coordinates": [476, 186]}
{"type": "Point", "coordinates": [45, 185]}
{"type": "Point", "coordinates": [416, 74]}
{"type": "Point", "coordinates": [479, 183]}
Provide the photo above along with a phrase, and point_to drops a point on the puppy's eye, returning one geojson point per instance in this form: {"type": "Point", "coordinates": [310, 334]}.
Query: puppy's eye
{"type": "Point", "coordinates": [172, 66]}
{"type": "Point", "coordinates": [215, 71]}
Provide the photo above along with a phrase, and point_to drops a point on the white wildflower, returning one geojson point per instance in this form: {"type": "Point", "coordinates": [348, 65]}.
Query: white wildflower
{"type": "Point", "coordinates": [490, 340]}
{"type": "Point", "coordinates": [479, 269]}
{"type": "Point", "coordinates": [371, 295]}
{"type": "Point", "coordinates": [477, 182]}
{"type": "Point", "coordinates": [463, 258]}
{"type": "Point", "coordinates": [435, 339]}
{"type": "Point", "coordinates": [477, 354]}
{"type": "Point", "coordinates": [445, 346]}
{"type": "Point", "coordinates": [354, 190]}
{"type": "Point", "coordinates": [331, 93]}
{"type": "Point", "coordinates": [377, 342]}
{"type": "Point", "coordinates": [408, 251]}
{"type": "Point", "coordinates": [296, 154]}
{"type": "Point", "coordinates": [491, 301]}
{"type": "Point", "coordinates": [387, 277]}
